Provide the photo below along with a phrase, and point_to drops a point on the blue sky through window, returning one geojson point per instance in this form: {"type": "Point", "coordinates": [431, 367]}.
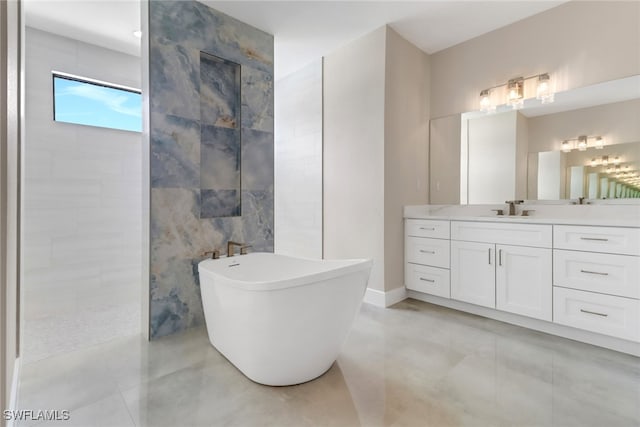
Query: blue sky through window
{"type": "Point", "coordinates": [87, 103]}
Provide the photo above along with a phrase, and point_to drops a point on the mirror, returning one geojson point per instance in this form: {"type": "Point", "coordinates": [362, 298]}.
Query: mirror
{"type": "Point", "coordinates": [517, 154]}
{"type": "Point", "coordinates": [607, 173]}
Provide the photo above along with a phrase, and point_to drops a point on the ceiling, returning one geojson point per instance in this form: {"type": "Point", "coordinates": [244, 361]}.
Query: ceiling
{"type": "Point", "coordinates": [108, 24]}
{"type": "Point", "coordinates": [303, 30]}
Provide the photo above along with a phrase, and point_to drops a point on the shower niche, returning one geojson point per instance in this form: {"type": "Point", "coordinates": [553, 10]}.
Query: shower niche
{"type": "Point", "coordinates": [220, 137]}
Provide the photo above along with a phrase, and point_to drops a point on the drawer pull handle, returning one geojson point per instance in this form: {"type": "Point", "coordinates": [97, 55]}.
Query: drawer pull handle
{"type": "Point", "coordinates": [594, 272]}
{"type": "Point", "coordinates": [489, 256]}
{"type": "Point", "coordinates": [427, 252]}
{"type": "Point", "coordinates": [593, 312]}
{"type": "Point", "coordinates": [427, 280]}
{"type": "Point", "coordinates": [596, 239]}
{"type": "Point", "coordinates": [500, 257]}
{"type": "Point", "coordinates": [428, 228]}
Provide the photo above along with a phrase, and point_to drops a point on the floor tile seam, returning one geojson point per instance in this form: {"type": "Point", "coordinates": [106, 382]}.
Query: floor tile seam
{"type": "Point", "coordinates": [126, 405]}
{"type": "Point", "coordinates": [147, 381]}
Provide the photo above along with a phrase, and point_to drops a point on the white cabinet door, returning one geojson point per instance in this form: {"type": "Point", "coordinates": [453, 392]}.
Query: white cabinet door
{"type": "Point", "coordinates": [524, 281]}
{"type": "Point", "coordinates": [473, 273]}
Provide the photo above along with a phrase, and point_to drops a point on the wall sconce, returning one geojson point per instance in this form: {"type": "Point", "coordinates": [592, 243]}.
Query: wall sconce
{"type": "Point", "coordinates": [515, 92]}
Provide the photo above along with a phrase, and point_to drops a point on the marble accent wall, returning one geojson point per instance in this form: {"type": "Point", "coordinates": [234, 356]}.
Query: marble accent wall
{"type": "Point", "coordinates": [178, 32]}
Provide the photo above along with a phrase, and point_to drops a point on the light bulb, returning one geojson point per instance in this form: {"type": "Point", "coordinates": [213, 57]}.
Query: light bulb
{"type": "Point", "coordinates": [565, 146]}
{"type": "Point", "coordinates": [616, 160]}
{"type": "Point", "coordinates": [543, 90]}
{"type": "Point", "coordinates": [594, 162]}
{"type": "Point", "coordinates": [582, 143]}
{"type": "Point", "coordinates": [515, 93]}
{"type": "Point", "coordinates": [599, 143]}
{"type": "Point", "coordinates": [605, 160]}
{"type": "Point", "coordinates": [486, 106]}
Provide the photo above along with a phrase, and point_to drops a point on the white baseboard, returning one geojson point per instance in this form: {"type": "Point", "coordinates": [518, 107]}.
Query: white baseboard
{"type": "Point", "coordinates": [593, 338]}
{"type": "Point", "coordinates": [13, 399]}
{"type": "Point", "coordinates": [385, 299]}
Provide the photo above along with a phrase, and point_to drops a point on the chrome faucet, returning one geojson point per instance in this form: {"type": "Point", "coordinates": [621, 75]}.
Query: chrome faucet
{"type": "Point", "coordinates": [512, 206]}
{"type": "Point", "coordinates": [230, 246]}
{"type": "Point", "coordinates": [580, 202]}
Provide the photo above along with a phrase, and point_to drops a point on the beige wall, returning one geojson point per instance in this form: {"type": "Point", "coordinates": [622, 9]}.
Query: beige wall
{"type": "Point", "coordinates": [406, 144]}
{"type": "Point", "coordinates": [10, 46]}
{"type": "Point", "coordinates": [579, 43]}
{"type": "Point", "coordinates": [353, 171]}
{"type": "Point", "coordinates": [376, 125]}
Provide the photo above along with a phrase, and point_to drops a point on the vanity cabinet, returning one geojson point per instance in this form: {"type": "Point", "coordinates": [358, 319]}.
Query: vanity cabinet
{"type": "Point", "coordinates": [473, 273]}
{"type": "Point", "coordinates": [523, 281]}
{"type": "Point", "coordinates": [508, 277]}
{"type": "Point", "coordinates": [577, 281]}
{"type": "Point", "coordinates": [595, 279]}
{"type": "Point", "coordinates": [427, 248]}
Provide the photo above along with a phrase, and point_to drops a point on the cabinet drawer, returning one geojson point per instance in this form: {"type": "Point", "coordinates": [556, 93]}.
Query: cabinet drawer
{"type": "Point", "coordinates": [613, 240]}
{"type": "Point", "coordinates": [604, 273]}
{"type": "Point", "coordinates": [504, 234]}
{"type": "Point", "coordinates": [427, 228]}
{"type": "Point", "coordinates": [430, 280]}
{"type": "Point", "coordinates": [433, 252]}
{"type": "Point", "coordinates": [604, 314]}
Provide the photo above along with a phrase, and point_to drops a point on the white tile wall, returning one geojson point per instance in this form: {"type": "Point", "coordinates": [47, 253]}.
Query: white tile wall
{"type": "Point", "coordinates": [298, 163]}
{"type": "Point", "coordinates": [82, 208]}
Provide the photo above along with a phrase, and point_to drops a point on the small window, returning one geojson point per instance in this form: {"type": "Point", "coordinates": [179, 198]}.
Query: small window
{"type": "Point", "coordinates": [92, 103]}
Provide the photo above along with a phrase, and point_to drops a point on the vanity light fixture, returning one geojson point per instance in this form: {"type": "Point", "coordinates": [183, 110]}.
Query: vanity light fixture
{"type": "Point", "coordinates": [516, 92]}
{"type": "Point", "coordinates": [582, 143]}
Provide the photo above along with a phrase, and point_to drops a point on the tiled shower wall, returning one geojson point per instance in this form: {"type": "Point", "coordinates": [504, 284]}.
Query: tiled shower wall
{"type": "Point", "coordinates": [298, 196]}
{"type": "Point", "coordinates": [178, 32]}
{"type": "Point", "coordinates": [82, 210]}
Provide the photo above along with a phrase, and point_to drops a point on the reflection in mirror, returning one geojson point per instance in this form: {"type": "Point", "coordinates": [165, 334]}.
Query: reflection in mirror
{"type": "Point", "coordinates": [517, 154]}
{"type": "Point", "coordinates": [608, 173]}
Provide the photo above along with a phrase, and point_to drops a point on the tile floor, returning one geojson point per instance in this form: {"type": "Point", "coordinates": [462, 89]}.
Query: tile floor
{"type": "Point", "coordinates": [415, 364]}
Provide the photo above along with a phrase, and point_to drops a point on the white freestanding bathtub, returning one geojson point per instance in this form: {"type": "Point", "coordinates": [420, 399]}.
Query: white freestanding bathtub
{"type": "Point", "coordinates": [281, 320]}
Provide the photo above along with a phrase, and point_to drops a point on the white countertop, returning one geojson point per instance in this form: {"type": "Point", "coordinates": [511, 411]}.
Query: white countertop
{"type": "Point", "coordinates": [600, 215]}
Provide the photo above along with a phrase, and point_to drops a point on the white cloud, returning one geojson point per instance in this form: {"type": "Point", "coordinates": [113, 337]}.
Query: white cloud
{"type": "Point", "coordinates": [112, 100]}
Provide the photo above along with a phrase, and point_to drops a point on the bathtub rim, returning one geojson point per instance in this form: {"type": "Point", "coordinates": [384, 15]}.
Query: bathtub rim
{"type": "Point", "coordinates": [349, 266]}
